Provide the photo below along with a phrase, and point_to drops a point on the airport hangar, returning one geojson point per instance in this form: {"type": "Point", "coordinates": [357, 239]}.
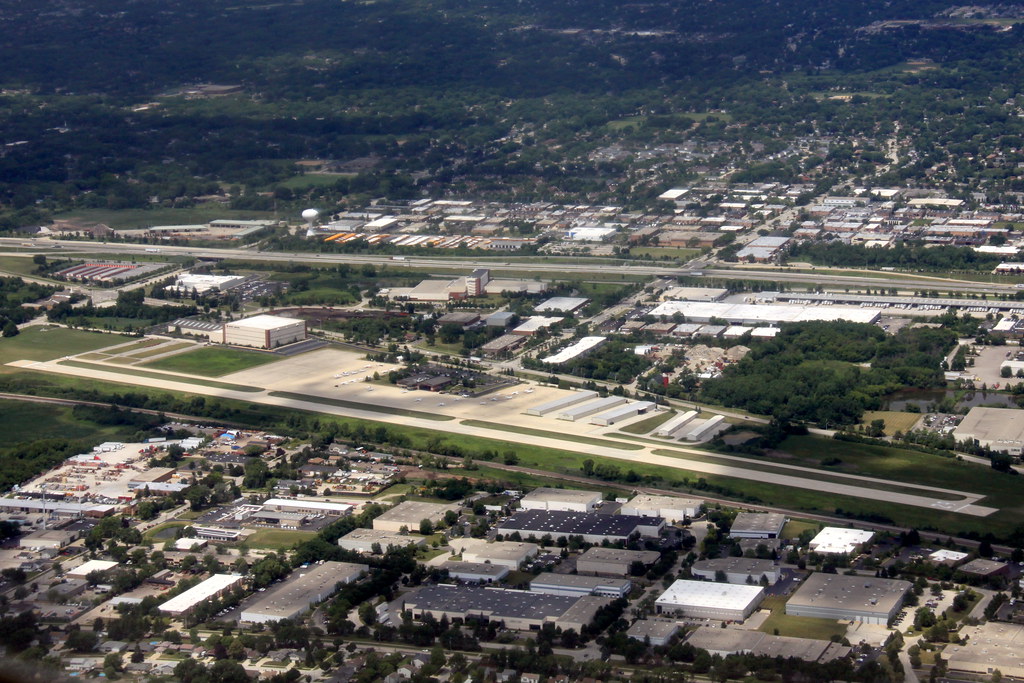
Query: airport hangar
{"type": "Point", "coordinates": [264, 331]}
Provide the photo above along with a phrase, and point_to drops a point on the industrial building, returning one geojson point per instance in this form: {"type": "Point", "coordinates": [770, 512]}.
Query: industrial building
{"type": "Point", "coordinates": [561, 403]}
{"type": "Point", "coordinates": [569, 500]}
{"type": "Point", "coordinates": [364, 540]}
{"type": "Point", "coordinates": [834, 540]}
{"type": "Point", "coordinates": [264, 331]}
{"type": "Point", "coordinates": [211, 588]}
{"type": "Point", "coordinates": [59, 508]}
{"type": "Point", "coordinates": [577, 585]}
{"type": "Point", "coordinates": [613, 561]}
{"type": "Point", "coordinates": [732, 641]}
{"type": "Point", "coordinates": [591, 526]}
{"type": "Point", "coordinates": [985, 569]}
{"type": "Point", "coordinates": [561, 304]}
{"type": "Point", "coordinates": [989, 646]}
{"type": "Point", "coordinates": [622, 413]}
{"type": "Point", "coordinates": [1001, 429]}
{"type": "Point", "coordinates": [856, 598]}
{"type": "Point", "coordinates": [762, 314]}
{"type": "Point", "coordinates": [704, 600]}
{"type": "Point", "coordinates": [188, 283]}
{"type": "Point", "coordinates": [671, 508]}
{"type": "Point", "coordinates": [509, 554]}
{"type": "Point", "coordinates": [677, 423]}
{"type": "Point", "coordinates": [945, 556]}
{"type": "Point", "coordinates": [737, 570]}
{"type": "Point", "coordinates": [576, 350]}
{"type": "Point", "coordinates": [590, 408]}
{"type": "Point", "coordinates": [307, 507]}
{"type": "Point", "coordinates": [83, 570]}
{"type": "Point", "coordinates": [475, 572]}
{"type": "Point", "coordinates": [408, 515]}
{"type": "Point", "coordinates": [47, 539]}
{"type": "Point", "coordinates": [512, 609]}
{"type": "Point", "coordinates": [757, 525]}
{"type": "Point", "coordinates": [304, 588]}
{"type": "Point", "coordinates": [653, 632]}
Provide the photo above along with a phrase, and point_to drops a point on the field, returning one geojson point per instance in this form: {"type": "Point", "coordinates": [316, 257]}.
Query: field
{"type": "Point", "coordinates": [277, 539]}
{"type": "Point", "coordinates": [649, 424]}
{"type": "Point", "coordinates": [123, 219]}
{"type": "Point", "coordinates": [797, 627]}
{"type": "Point", "coordinates": [134, 372]}
{"type": "Point", "coordinates": [23, 421]}
{"type": "Point", "coordinates": [213, 362]}
{"type": "Point", "coordinates": [677, 253]}
{"type": "Point", "coordinates": [894, 421]}
{"type": "Point", "coordinates": [50, 343]}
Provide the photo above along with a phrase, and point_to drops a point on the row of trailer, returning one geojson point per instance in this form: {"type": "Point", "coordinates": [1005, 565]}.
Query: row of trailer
{"type": "Point", "coordinates": [435, 241]}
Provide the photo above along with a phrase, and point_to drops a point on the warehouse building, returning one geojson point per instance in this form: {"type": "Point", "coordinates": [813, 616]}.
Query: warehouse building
{"type": "Point", "coordinates": [622, 413]}
{"type": "Point", "coordinates": [561, 304]}
{"type": "Point", "coordinates": [834, 540]}
{"type": "Point", "coordinates": [475, 572]}
{"type": "Point", "coordinates": [672, 509]}
{"type": "Point", "coordinates": [83, 570]}
{"type": "Point", "coordinates": [408, 515]}
{"type": "Point", "coordinates": [653, 632]}
{"type": "Point", "coordinates": [264, 331]}
{"type": "Point", "coordinates": [561, 403]}
{"type": "Point", "coordinates": [989, 646]}
{"type": "Point", "coordinates": [761, 314]}
{"type": "Point", "coordinates": [569, 500]}
{"type": "Point", "coordinates": [201, 284]}
{"type": "Point", "coordinates": [304, 588]}
{"type": "Point", "coordinates": [307, 507]}
{"type": "Point", "coordinates": [579, 412]}
{"type": "Point", "coordinates": [703, 600]}
{"type": "Point", "coordinates": [856, 598]}
{"type": "Point", "coordinates": [576, 585]}
{"type": "Point", "coordinates": [737, 570]}
{"type": "Point", "coordinates": [985, 569]}
{"type": "Point", "coordinates": [613, 561]}
{"type": "Point", "coordinates": [677, 423]}
{"type": "Point", "coordinates": [364, 540]}
{"type": "Point", "coordinates": [509, 554]}
{"type": "Point", "coordinates": [732, 641]}
{"type": "Point", "coordinates": [512, 609]}
{"type": "Point", "coordinates": [47, 539]}
{"type": "Point", "coordinates": [576, 350]}
{"type": "Point", "coordinates": [591, 526]}
{"type": "Point", "coordinates": [1001, 429]}
{"type": "Point", "coordinates": [210, 589]}
{"type": "Point", "coordinates": [757, 525]}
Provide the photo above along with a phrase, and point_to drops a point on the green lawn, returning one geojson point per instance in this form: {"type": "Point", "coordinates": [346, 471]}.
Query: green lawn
{"type": "Point", "coordinates": [797, 627]}
{"type": "Point", "coordinates": [894, 421]}
{"type": "Point", "coordinates": [24, 421]}
{"type": "Point", "coordinates": [135, 372]}
{"type": "Point", "coordinates": [649, 424]}
{"type": "Point", "coordinates": [166, 348]}
{"type": "Point", "coordinates": [553, 435]}
{"type": "Point", "coordinates": [20, 265]}
{"type": "Point", "coordinates": [277, 539]}
{"type": "Point", "coordinates": [212, 361]}
{"type": "Point", "coordinates": [795, 527]}
{"type": "Point", "coordinates": [678, 253]}
{"type": "Point", "coordinates": [50, 343]}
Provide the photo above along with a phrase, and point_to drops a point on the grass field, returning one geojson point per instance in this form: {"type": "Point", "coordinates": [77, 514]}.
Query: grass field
{"type": "Point", "coordinates": [552, 435]}
{"type": "Point", "coordinates": [166, 348]}
{"type": "Point", "coordinates": [797, 627]}
{"type": "Point", "coordinates": [894, 421]}
{"type": "Point", "coordinates": [50, 343]}
{"type": "Point", "coordinates": [123, 219]}
{"type": "Point", "coordinates": [19, 265]}
{"type": "Point", "coordinates": [135, 372]}
{"type": "Point", "coordinates": [277, 539]}
{"type": "Point", "coordinates": [211, 361]}
{"type": "Point", "coordinates": [677, 253]}
{"type": "Point", "coordinates": [649, 424]}
{"type": "Point", "coordinates": [24, 421]}
{"type": "Point", "coordinates": [795, 527]}
{"type": "Point", "coordinates": [136, 346]}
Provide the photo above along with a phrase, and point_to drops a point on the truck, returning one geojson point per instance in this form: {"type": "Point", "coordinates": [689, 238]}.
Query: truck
{"type": "Point", "coordinates": [153, 250]}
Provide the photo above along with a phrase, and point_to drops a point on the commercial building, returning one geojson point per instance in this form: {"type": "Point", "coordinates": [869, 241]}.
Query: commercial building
{"type": "Point", "coordinates": [47, 539]}
{"type": "Point", "coordinates": [577, 585]}
{"type": "Point", "coordinates": [989, 646]}
{"type": "Point", "coordinates": [985, 569]}
{"type": "Point", "coordinates": [589, 408]}
{"type": "Point", "coordinates": [533, 325]}
{"type": "Point", "coordinates": [838, 541]}
{"type": "Point", "coordinates": [569, 500]}
{"type": "Point", "coordinates": [737, 570]}
{"type": "Point", "coordinates": [653, 632]}
{"type": "Point", "coordinates": [613, 561]}
{"type": "Point", "coordinates": [212, 533]}
{"type": "Point", "coordinates": [762, 314]}
{"type": "Point", "coordinates": [731, 641]}
{"type": "Point", "coordinates": [512, 609]}
{"type": "Point", "coordinates": [1001, 429]}
{"type": "Point", "coordinates": [364, 540]}
{"type": "Point", "coordinates": [213, 587]}
{"type": "Point", "coordinates": [576, 350]}
{"type": "Point", "coordinates": [671, 508]}
{"type": "Point", "coordinates": [561, 403]}
{"type": "Point", "coordinates": [409, 514]}
{"type": "Point", "coordinates": [83, 570]}
{"type": "Point", "coordinates": [856, 598]}
{"type": "Point", "coordinates": [304, 588]}
{"type": "Point", "coordinates": [704, 600]}
{"type": "Point", "coordinates": [949, 557]}
{"type": "Point", "coordinates": [201, 284]}
{"type": "Point", "coordinates": [622, 413]}
{"type": "Point", "coordinates": [561, 304]}
{"type": "Point", "coordinates": [476, 282]}
{"type": "Point", "coordinates": [757, 525]}
{"type": "Point", "coordinates": [591, 526]}
{"type": "Point", "coordinates": [475, 572]}
{"type": "Point", "coordinates": [264, 331]}
{"type": "Point", "coordinates": [59, 508]}
{"type": "Point", "coordinates": [307, 507]}
{"type": "Point", "coordinates": [509, 554]}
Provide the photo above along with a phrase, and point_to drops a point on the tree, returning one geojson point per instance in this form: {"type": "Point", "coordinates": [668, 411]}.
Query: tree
{"type": "Point", "coordinates": [368, 613]}
{"type": "Point", "coordinates": [426, 527]}
{"type": "Point", "coordinates": [82, 641]}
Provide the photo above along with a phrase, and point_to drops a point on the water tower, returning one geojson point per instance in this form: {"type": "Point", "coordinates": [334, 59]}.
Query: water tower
{"type": "Point", "coordinates": [310, 216]}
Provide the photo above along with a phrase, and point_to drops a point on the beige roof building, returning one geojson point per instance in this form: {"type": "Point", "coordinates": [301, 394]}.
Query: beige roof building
{"type": "Point", "coordinates": [990, 646]}
{"type": "Point", "coordinates": [409, 514]}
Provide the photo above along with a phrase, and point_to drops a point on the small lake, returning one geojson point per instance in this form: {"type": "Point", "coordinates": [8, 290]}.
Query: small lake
{"type": "Point", "coordinates": [923, 398]}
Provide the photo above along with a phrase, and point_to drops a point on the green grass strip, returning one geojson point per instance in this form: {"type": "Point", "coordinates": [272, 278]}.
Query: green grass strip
{"type": "Point", "coordinates": [589, 440]}
{"type": "Point", "coordinates": [355, 405]}
{"type": "Point", "coordinates": [149, 374]}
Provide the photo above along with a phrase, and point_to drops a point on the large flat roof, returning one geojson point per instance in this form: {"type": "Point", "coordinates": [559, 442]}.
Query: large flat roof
{"type": "Point", "coordinates": [496, 602]}
{"type": "Point", "coordinates": [414, 511]}
{"type": "Point", "coordinates": [841, 592]}
{"type": "Point", "coordinates": [558, 522]}
{"type": "Point", "coordinates": [736, 565]}
{"type": "Point", "coordinates": [264, 322]}
{"type": "Point", "coordinates": [91, 566]}
{"type": "Point", "coordinates": [337, 508]}
{"type": "Point", "coordinates": [552, 495]}
{"type": "Point", "coordinates": [765, 312]}
{"type": "Point", "coordinates": [579, 348]}
{"type": "Point", "coordinates": [709, 595]}
{"type": "Point", "coordinates": [838, 540]}
{"type": "Point", "coordinates": [1001, 426]}
{"type": "Point", "coordinates": [197, 594]}
{"type": "Point", "coordinates": [733, 640]}
{"type": "Point", "coordinates": [496, 551]}
{"type": "Point", "coordinates": [649, 501]}
{"type": "Point", "coordinates": [755, 522]}
{"type": "Point", "coordinates": [598, 554]}
{"type": "Point", "coordinates": [303, 588]}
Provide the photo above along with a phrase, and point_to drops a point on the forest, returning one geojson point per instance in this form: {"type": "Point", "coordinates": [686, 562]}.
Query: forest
{"type": "Point", "coordinates": [829, 373]}
{"type": "Point", "coordinates": [913, 254]}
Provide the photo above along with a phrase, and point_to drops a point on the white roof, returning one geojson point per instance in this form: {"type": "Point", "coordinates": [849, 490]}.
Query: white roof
{"type": "Point", "coordinates": [309, 504]}
{"type": "Point", "coordinates": [264, 322]}
{"type": "Point", "coordinates": [765, 312]}
{"type": "Point", "coordinates": [91, 566]}
{"type": "Point", "coordinates": [589, 233]}
{"type": "Point", "coordinates": [204, 591]}
{"type": "Point", "coordinates": [674, 193]}
{"type": "Point", "coordinates": [947, 556]}
{"type": "Point", "coordinates": [561, 303]}
{"type": "Point", "coordinates": [834, 539]}
{"type": "Point", "coordinates": [534, 323]}
{"type": "Point", "coordinates": [582, 346]}
{"type": "Point", "coordinates": [1005, 325]}
{"type": "Point", "coordinates": [710, 595]}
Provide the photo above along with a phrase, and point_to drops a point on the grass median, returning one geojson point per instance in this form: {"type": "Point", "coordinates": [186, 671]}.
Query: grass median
{"type": "Point", "coordinates": [589, 440]}
{"type": "Point", "coordinates": [355, 405]}
{"type": "Point", "coordinates": [167, 377]}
